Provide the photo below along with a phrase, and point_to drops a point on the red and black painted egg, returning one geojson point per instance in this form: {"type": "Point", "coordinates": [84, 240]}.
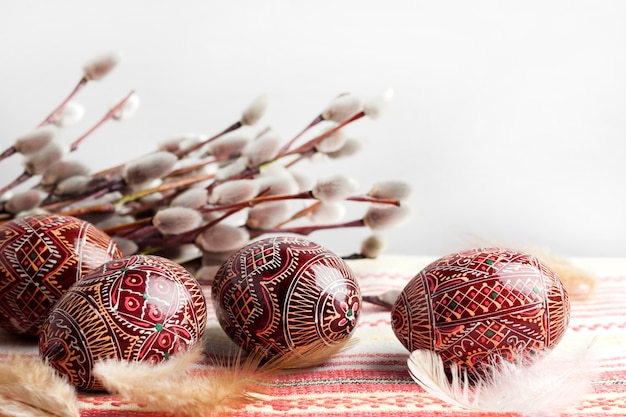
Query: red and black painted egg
{"type": "Point", "coordinates": [279, 294]}
{"type": "Point", "coordinates": [481, 306]}
{"type": "Point", "coordinates": [139, 307]}
{"type": "Point", "coordinates": [41, 256]}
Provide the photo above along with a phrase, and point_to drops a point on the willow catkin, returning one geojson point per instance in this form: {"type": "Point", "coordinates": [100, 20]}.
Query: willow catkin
{"type": "Point", "coordinates": [72, 185]}
{"type": "Point", "coordinates": [349, 148]}
{"type": "Point", "coordinates": [254, 111]}
{"type": "Point", "coordinates": [392, 190]}
{"type": "Point", "coordinates": [192, 198]}
{"type": "Point", "coordinates": [268, 215]}
{"type": "Point", "coordinates": [230, 145]}
{"type": "Point", "coordinates": [234, 191]}
{"type": "Point", "coordinates": [327, 212]}
{"type": "Point", "coordinates": [100, 66]}
{"type": "Point", "coordinates": [380, 217]}
{"type": "Point", "coordinates": [263, 149]}
{"type": "Point", "coordinates": [70, 114]}
{"type": "Point", "coordinates": [149, 167]}
{"type": "Point", "coordinates": [177, 220]}
{"type": "Point", "coordinates": [61, 170]}
{"type": "Point", "coordinates": [34, 140]}
{"type": "Point", "coordinates": [23, 201]}
{"type": "Point", "coordinates": [342, 107]}
{"type": "Point", "coordinates": [373, 246]}
{"type": "Point", "coordinates": [376, 106]}
{"type": "Point", "coordinates": [126, 246]}
{"type": "Point", "coordinates": [38, 162]}
{"type": "Point", "coordinates": [335, 188]}
{"type": "Point", "coordinates": [222, 237]}
{"type": "Point", "coordinates": [332, 143]}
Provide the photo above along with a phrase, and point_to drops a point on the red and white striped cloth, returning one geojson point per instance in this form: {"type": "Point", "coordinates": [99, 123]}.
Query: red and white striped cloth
{"type": "Point", "coordinates": [372, 379]}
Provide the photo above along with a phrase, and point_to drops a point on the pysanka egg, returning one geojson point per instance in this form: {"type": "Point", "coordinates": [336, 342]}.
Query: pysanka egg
{"type": "Point", "coordinates": [279, 294]}
{"type": "Point", "coordinates": [482, 306]}
{"type": "Point", "coordinates": [41, 256]}
{"type": "Point", "coordinates": [134, 308]}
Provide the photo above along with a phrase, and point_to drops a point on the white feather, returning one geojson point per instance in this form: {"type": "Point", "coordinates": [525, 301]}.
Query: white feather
{"type": "Point", "coordinates": [552, 382]}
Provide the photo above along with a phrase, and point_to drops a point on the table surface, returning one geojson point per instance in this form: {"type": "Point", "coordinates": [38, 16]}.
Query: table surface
{"type": "Point", "coordinates": [372, 378]}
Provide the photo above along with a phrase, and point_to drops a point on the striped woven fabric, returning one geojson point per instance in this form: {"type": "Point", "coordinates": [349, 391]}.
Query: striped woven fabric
{"type": "Point", "coordinates": [372, 379]}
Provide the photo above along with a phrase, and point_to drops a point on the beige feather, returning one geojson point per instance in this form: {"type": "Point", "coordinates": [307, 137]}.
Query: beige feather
{"type": "Point", "coordinates": [553, 381]}
{"type": "Point", "coordinates": [31, 388]}
{"type": "Point", "coordinates": [175, 386]}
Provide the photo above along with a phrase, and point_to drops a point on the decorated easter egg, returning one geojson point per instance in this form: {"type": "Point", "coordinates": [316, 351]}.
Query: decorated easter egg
{"type": "Point", "coordinates": [41, 256]}
{"type": "Point", "coordinates": [279, 294]}
{"type": "Point", "coordinates": [134, 308]}
{"type": "Point", "coordinates": [482, 306]}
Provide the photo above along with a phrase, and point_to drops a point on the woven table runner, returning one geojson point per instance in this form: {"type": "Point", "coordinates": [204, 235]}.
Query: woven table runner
{"type": "Point", "coordinates": [372, 378]}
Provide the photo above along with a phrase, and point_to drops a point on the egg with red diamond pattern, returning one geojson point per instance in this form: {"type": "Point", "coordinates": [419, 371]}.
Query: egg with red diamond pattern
{"type": "Point", "coordinates": [481, 306]}
{"type": "Point", "coordinates": [282, 294]}
{"type": "Point", "coordinates": [41, 256]}
{"type": "Point", "coordinates": [136, 308]}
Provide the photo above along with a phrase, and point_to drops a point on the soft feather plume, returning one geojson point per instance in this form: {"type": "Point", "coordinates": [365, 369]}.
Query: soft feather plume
{"type": "Point", "coordinates": [170, 386]}
{"type": "Point", "coordinates": [31, 388]}
{"type": "Point", "coordinates": [553, 381]}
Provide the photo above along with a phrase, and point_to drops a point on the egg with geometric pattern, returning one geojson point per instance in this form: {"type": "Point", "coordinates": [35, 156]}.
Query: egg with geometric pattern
{"type": "Point", "coordinates": [283, 294]}
{"type": "Point", "coordinates": [41, 256]}
{"type": "Point", "coordinates": [478, 307]}
{"type": "Point", "coordinates": [136, 308]}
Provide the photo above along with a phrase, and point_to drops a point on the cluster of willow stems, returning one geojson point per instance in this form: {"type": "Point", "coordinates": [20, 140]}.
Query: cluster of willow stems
{"type": "Point", "coordinates": [196, 199]}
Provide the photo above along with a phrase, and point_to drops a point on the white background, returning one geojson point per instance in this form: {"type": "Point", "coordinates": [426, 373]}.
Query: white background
{"type": "Point", "coordinates": [509, 118]}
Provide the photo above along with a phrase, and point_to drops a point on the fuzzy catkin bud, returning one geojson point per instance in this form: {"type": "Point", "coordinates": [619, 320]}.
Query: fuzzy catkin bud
{"type": "Point", "coordinates": [349, 148]}
{"type": "Point", "coordinates": [230, 145]}
{"type": "Point", "coordinates": [61, 170]}
{"type": "Point", "coordinates": [34, 140]}
{"type": "Point", "coordinates": [177, 220]}
{"type": "Point", "coordinates": [222, 237]}
{"type": "Point", "coordinates": [327, 212]}
{"type": "Point", "coordinates": [232, 169]}
{"type": "Point", "coordinates": [149, 167]}
{"type": "Point", "coordinates": [72, 185]}
{"type": "Point", "coordinates": [23, 201]}
{"type": "Point", "coordinates": [332, 143]}
{"type": "Point", "coordinates": [114, 220]}
{"type": "Point", "coordinates": [373, 246]}
{"type": "Point", "coordinates": [41, 160]}
{"type": "Point", "coordinates": [263, 149]}
{"type": "Point", "coordinates": [254, 111]}
{"type": "Point", "coordinates": [267, 215]}
{"type": "Point", "coordinates": [126, 246]}
{"type": "Point", "coordinates": [172, 144]}
{"type": "Point", "coordinates": [380, 217]}
{"type": "Point", "coordinates": [235, 191]}
{"type": "Point", "coordinates": [100, 66]}
{"type": "Point", "coordinates": [278, 185]}
{"type": "Point", "coordinates": [335, 188]}
{"type": "Point", "coordinates": [342, 107]}
{"type": "Point", "coordinates": [192, 198]}
{"type": "Point", "coordinates": [394, 190]}
{"type": "Point", "coordinates": [305, 183]}
{"type": "Point", "coordinates": [377, 106]}
{"type": "Point", "coordinates": [128, 109]}
{"type": "Point", "coordinates": [70, 114]}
